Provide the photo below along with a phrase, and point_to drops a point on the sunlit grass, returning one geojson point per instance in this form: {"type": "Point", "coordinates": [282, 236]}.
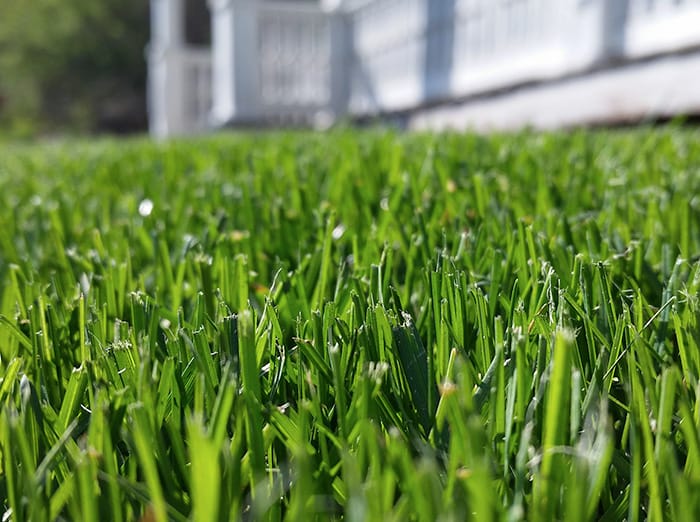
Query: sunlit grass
{"type": "Point", "coordinates": [355, 325]}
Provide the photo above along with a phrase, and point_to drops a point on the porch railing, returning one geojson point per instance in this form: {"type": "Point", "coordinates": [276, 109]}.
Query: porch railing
{"type": "Point", "coordinates": [196, 70]}
{"type": "Point", "coordinates": [407, 53]}
{"type": "Point", "coordinates": [660, 26]}
{"type": "Point", "coordinates": [180, 90]}
{"type": "Point", "coordinates": [293, 50]}
{"type": "Point", "coordinates": [288, 72]}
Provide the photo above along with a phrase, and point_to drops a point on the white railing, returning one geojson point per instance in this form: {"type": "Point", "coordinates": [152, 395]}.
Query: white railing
{"type": "Point", "coordinates": [385, 46]}
{"type": "Point", "coordinates": [503, 43]}
{"type": "Point", "coordinates": [196, 71]}
{"type": "Point", "coordinates": [406, 53]}
{"type": "Point", "coordinates": [409, 52]}
{"type": "Point", "coordinates": [180, 91]}
{"type": "Point", "coordinates": [294, 61]}
{"type": "Point", "coordinates": [661, 26]}
{"type": "Point", "coordinates": [276, 62]}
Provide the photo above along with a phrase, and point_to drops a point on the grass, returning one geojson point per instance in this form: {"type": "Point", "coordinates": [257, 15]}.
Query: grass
{"type": "Point", "coordinates": [357, 325]}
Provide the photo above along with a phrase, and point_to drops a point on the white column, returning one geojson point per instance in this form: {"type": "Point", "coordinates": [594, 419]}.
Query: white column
{"type": "Point", "coordinates": [339, 58]}
{"type": "Point", "coordinates": [165, 81]}
{"type": "Point", "coordinates": [167, 22]}
{"type": "Point", "coordinates": [598, 30]}
{"type": "Point", "coordinates": [234, 61]}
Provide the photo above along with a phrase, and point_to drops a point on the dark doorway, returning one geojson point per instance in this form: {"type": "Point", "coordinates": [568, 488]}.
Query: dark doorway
{"type": "Point", "coordinates": [197, 22]}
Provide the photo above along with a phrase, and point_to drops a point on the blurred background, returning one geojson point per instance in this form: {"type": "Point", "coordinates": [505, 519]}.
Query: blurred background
{"type": "Point", "coordinates": [72, 66]}
{"type": "Point", "coordinates": [178, 67]}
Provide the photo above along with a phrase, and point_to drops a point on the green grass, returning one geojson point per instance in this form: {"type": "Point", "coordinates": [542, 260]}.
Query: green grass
{"type": "Point", "coordinates": [357, 325]}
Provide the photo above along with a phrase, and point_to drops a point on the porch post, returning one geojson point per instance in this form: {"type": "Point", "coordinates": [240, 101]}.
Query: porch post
{"type": "Point", "coordinates": [165, 81]}
{"type": "Point", "coordinates": [234, 61]}
{"type": "Point", "coordinates": [339, 58]}
{"type": "Point", "coordinates": [598, 34]}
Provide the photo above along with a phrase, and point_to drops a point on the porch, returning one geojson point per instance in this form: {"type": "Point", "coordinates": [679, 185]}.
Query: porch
{"type": "Point", "coordinates": [431, 63]}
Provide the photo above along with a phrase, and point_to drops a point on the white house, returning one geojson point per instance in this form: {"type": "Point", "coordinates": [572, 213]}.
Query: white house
{"type": "Point", "coordinates": [425, 63]}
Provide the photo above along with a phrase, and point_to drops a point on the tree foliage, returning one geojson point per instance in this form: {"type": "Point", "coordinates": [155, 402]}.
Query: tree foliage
{"type": "Point", "coordinates": [72, 65]}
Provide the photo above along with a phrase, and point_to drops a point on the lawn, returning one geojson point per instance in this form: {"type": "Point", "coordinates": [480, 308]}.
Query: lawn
{"type": "Point", "coordinates": [357, 325]}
